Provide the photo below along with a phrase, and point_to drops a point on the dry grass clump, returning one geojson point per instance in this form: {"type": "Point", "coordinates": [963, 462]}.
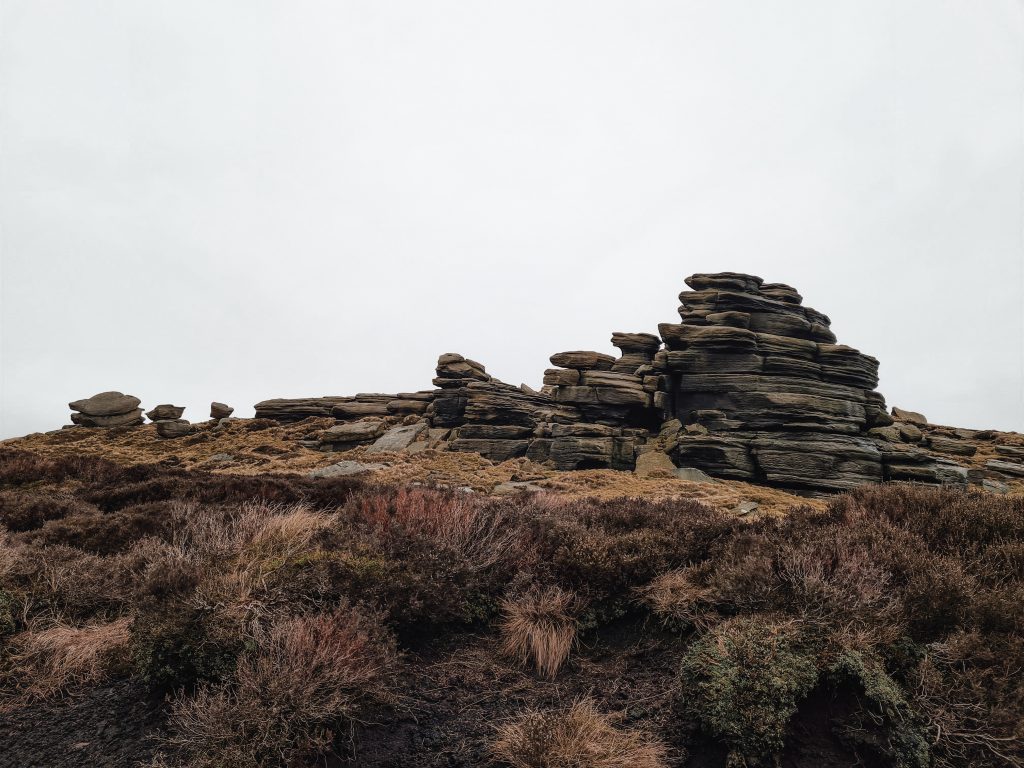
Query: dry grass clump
{"type": "Point", "coordinates": [678, 600]}
{"type": "Point", "coordinates": [540, 626]}
{"type": "Point", "coordinates": [45, 661]}
{"type": "Point", "coordinates": [305, 680]}
{"type": "Point", "coordinates": [579, 737]}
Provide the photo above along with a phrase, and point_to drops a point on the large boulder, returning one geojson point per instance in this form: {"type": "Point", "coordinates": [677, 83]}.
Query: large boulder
{"type": "Point", "coordinates": [106, 404]}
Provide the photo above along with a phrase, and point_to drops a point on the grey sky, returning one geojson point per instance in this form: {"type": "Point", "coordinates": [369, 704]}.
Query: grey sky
{"type": "Point", "coordinates": [241, 200]}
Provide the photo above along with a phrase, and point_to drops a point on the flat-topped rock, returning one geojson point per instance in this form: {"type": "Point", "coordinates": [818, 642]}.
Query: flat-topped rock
{"type": "Point", "coordinates": [106, 404]}
{"type": "Point", "coordinates": [730, 281]}
{"type": "Point", "coordinates": [165, 411]}
{"type": "Point", "coordinates": [583, 360]}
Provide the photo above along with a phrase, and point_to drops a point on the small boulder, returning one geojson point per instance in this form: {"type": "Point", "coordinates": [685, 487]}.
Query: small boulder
{"type": "Point", "coordinates": [911, 416]}
{"type": "Point", "coordinates": [165, 412]}
{"type": "Point", "coordinates": [220, 410]}
{"type": "Point", "coordinates": [172, 428]}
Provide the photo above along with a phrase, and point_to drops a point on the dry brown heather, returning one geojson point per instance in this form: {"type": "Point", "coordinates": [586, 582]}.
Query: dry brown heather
{"type": "Point", "coordinates": [159, 609]}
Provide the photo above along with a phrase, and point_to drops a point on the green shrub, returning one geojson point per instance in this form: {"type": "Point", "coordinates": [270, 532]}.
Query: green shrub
{"type": "Point", "coordinates": [743, 681]}
{"type": "Point", "coordinates": [176, 646]}
{"type": "Point", "coordinates": [883, 723]}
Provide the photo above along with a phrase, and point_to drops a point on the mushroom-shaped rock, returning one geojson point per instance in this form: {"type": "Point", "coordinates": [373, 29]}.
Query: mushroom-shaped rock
{"type": "Point", "coordinates": [106, 404]}
{"type": "Point", "coordinates": [220, 410]}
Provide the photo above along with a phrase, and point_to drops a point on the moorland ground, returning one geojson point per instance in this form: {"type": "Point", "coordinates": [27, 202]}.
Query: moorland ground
{"type": "Point", "coordinates": [207, 603]}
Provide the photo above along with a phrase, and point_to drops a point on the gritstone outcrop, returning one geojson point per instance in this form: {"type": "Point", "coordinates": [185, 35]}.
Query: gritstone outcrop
{"type": "Point", "coordinates": [750, 385]}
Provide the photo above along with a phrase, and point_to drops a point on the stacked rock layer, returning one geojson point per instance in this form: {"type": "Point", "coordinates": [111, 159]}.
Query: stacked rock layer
{"type": "Point", "coordinates": [765, 393]}
{"type": "Point", "coordinates": [107, 409]}
{"type": "Point", "coordinates": [750, 384]}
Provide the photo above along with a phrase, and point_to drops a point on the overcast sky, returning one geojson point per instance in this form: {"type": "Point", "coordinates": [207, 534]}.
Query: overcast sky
{"type": "Point", "coordinates": [242, 200]}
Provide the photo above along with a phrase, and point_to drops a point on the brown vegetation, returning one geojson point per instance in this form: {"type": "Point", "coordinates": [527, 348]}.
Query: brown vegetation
{"type": "Point", "coordinates": [578, 736]}
{"type": "Point", "coordinates": [275, 607]}
{"type": "Point", "coordinates": [539, 626]}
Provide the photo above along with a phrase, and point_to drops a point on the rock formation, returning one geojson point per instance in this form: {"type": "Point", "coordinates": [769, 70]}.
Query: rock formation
{"type": "Point", "coordinates": [750, 384]}
{"type": "Point", "coordinates": [107, 409]}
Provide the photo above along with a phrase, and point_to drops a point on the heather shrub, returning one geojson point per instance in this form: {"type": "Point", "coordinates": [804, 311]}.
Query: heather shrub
{"type": "Point", "coordinates": [427, 558]}
{"type": "Point", "coordinates": [603, 550]}
{"type": "Point", "coordinates": [25, 511]}
{"type": "Point", "coordinates": [289, 694]}
{"type": "Point", "coordinates": [968, 693]}
{"type": "Point", "coordinates": [176, 645]}
{"type": "Point", "coordinates": [743, 680]}
{"type": "Point", "coordinates": [573, 738]}
{"type": "Point", "coordinates": [105, 533]}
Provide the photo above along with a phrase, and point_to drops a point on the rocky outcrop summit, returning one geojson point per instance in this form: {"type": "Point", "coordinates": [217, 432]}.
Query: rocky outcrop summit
{"type": "Point", "coordinates": [750, 384]}
{"type": "Point", "coordinates": [107, 409]}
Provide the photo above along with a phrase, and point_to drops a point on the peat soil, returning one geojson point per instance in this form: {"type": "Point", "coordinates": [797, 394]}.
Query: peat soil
{"type": "Point", "coordinates": [453, 698]}
{"type": "Point", "coordinates": [112, 726]}
{"type": "Point", "coordinates": [451, 695]}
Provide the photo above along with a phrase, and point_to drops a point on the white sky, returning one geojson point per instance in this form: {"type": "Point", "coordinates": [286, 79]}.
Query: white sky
{"type": "Point", "coordinates": [242, 200]}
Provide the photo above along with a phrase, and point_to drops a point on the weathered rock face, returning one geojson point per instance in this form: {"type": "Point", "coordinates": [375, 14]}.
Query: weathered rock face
{"type": "Point", "coordinates": [750, 385]}
{"type": "Point", "coordinates": [767, 395]}
{"type": "Point", "coordinates": [107, 409]}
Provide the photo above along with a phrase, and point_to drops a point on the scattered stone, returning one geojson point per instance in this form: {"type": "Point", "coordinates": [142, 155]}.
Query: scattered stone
{"type": "Point", "coordinates": [745, 508]}
{"type": "Point", "coordinates": [220, 410]}
{"type": "Point", "coordinates": [692, 475]}
{"type": "Point", "coordinates": [346, 468]}
{"type": "Point", "coordinates": [994, 486]}
{"type": "Point", "coordinates": [107, 409]}
{"type": "Point", "coordinates": [910, 433]}
{"type": "Point", "coordinates": [165, 412]}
